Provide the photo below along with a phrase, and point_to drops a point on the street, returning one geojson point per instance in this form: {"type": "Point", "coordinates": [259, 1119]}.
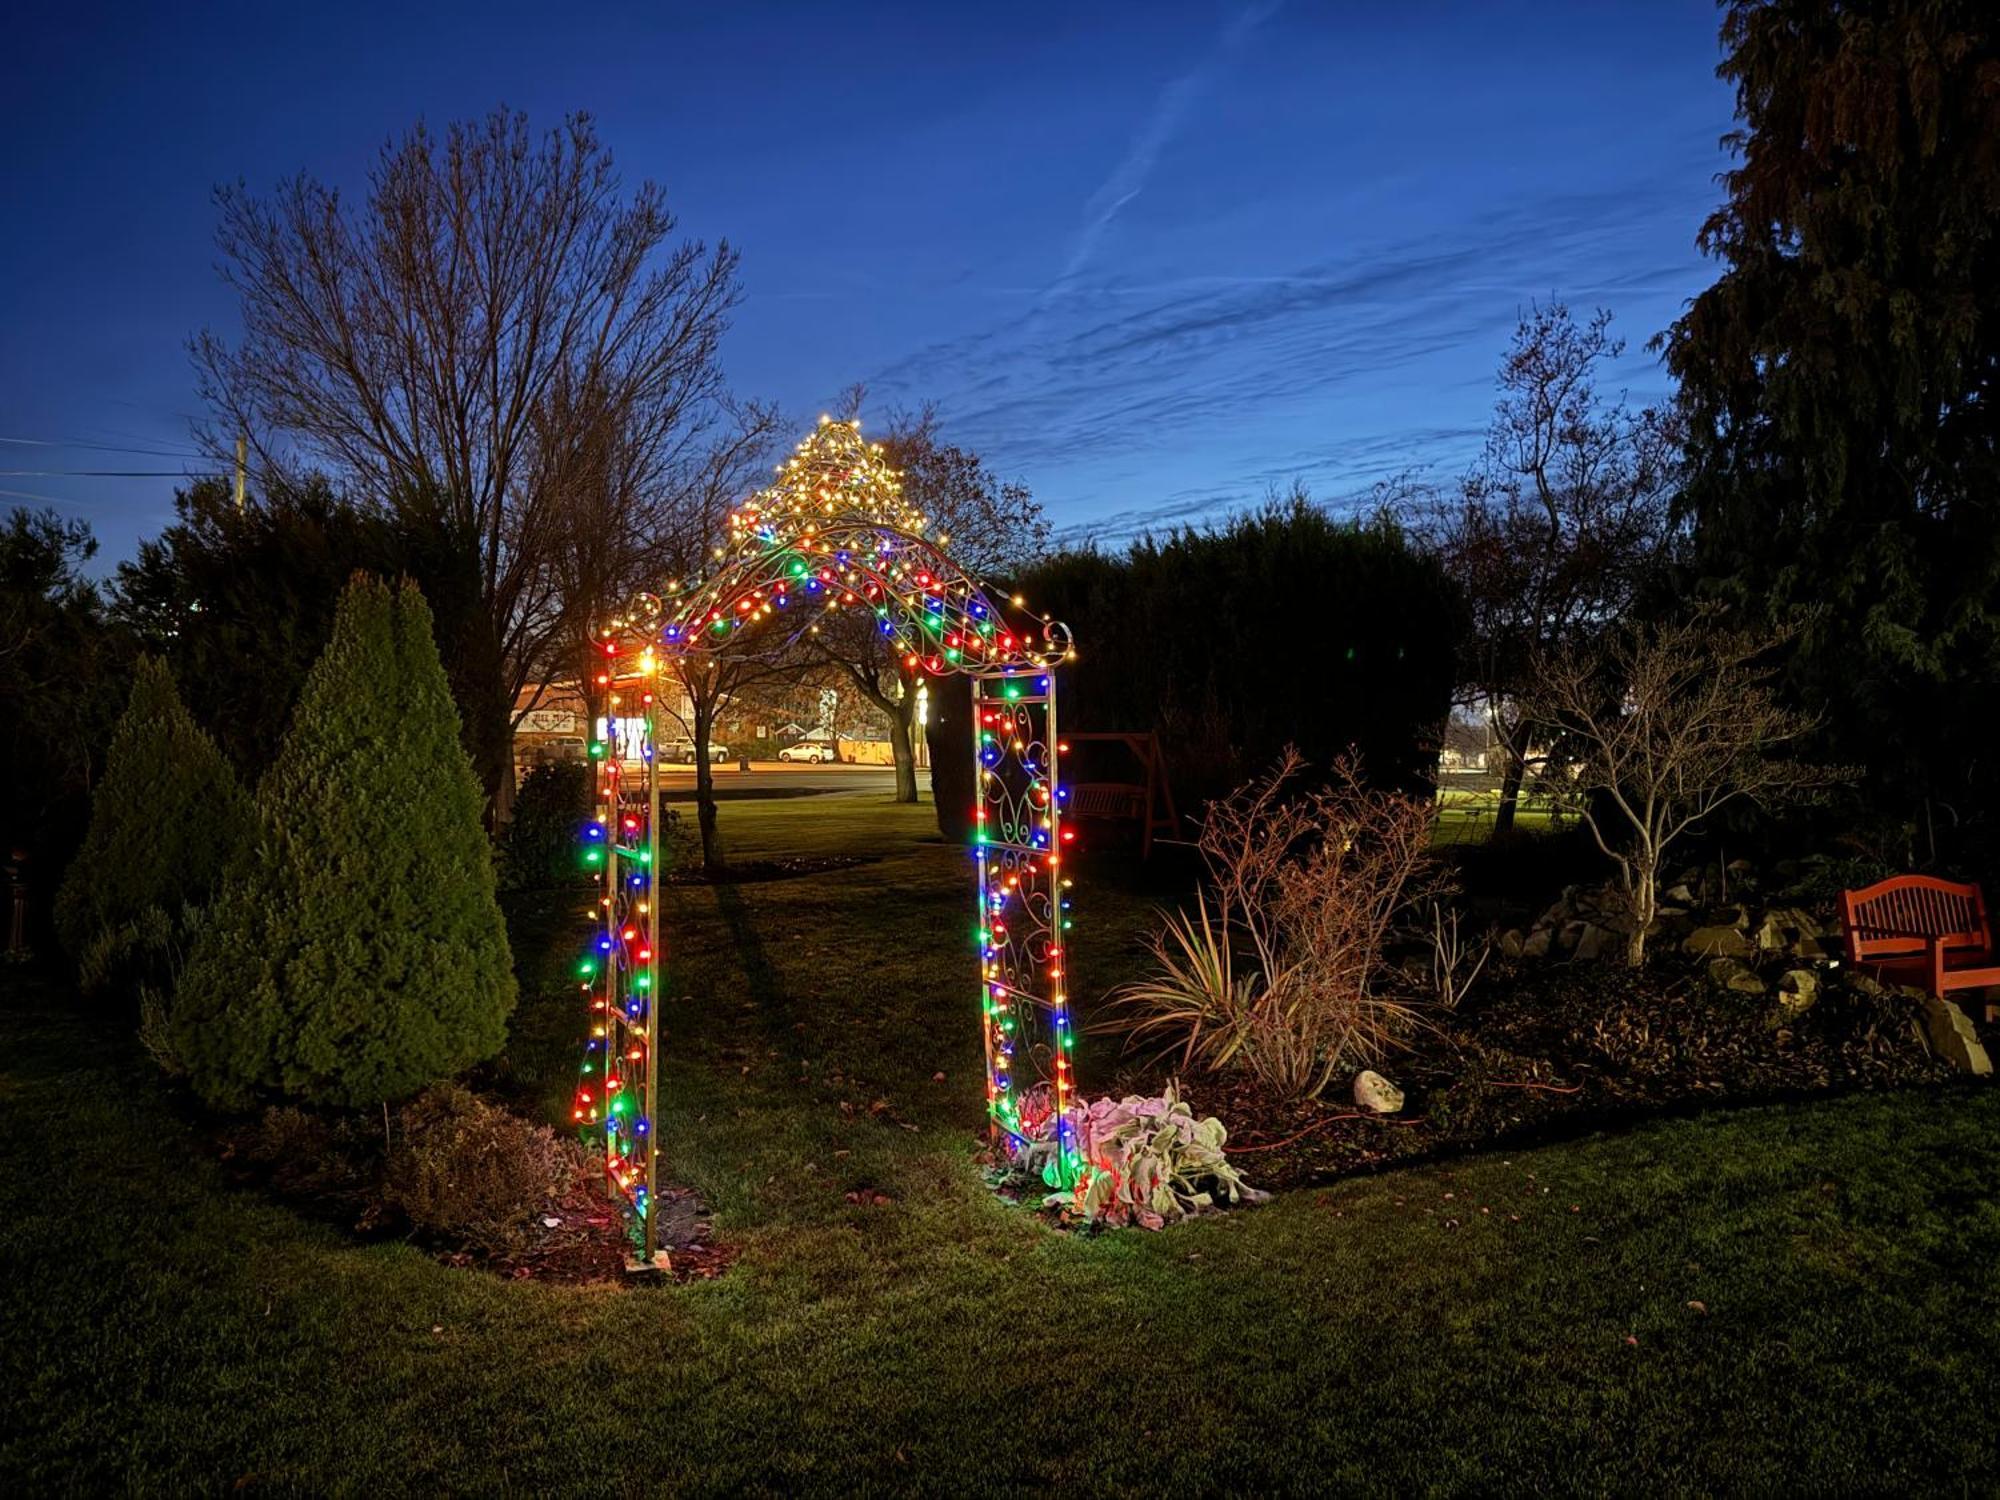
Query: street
{"type": "Point", "coordinates": [767, 778]}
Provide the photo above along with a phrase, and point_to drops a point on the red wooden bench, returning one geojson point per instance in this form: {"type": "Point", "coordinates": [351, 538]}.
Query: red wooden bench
{"type": "Point", "coordinates": [1917, 929]}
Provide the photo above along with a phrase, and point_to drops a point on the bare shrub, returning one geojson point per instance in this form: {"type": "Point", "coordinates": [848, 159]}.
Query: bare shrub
{"type": "Point", "coordinates": [1660, 726]}
{"type": "Point", "coordinates": [474, 1172]}
{"type": "Point", "coordinates": [1456, 960]}
{"type": "Point", "coordinates": [1291, 976]}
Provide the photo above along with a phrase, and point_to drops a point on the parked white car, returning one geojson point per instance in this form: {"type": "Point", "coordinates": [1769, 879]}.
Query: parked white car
{"type": "Point", "coordinates": [682, 752]}
{"type": "Point", "coordinates": [812, 752]}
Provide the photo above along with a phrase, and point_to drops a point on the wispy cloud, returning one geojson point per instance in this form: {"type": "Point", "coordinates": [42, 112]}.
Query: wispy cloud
{"type": "Point", "coordinates": [1139, 402]}
{"type": "Point", "coordinates": [1169, 111]}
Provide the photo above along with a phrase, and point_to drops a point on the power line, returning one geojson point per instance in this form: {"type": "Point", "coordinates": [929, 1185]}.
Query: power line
{"type": "Point", "coordinates": [94, 473]}
{"type": "Point", "coordinates": [101, 447]}
{"type": "Point", "coordinates": [45, 499]}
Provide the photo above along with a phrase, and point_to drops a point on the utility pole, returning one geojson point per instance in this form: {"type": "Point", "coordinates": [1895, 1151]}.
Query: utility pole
{"type": "Point", "coordinates": [242, 461]}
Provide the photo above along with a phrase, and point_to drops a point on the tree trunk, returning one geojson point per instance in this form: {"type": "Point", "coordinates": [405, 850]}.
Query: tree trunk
{"type": "Point", "coordinates": [901, 713]}
{"type": "Point", "coordinates": [954, 789]}
{"type": "Point", "coordinates": [1510, 791]}
{"type": "Point", "coordinates": [704, 783]}
{"type": "Point", "coordinates": [1645, 904]}
{"type": "Point", "coordinates": [902, 744]}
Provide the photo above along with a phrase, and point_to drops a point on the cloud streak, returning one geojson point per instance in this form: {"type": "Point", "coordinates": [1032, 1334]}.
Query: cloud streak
{"type": "Point", "coordinates": [1339, 373]}
{"type": "Point", "coordinates": [1128, 179]}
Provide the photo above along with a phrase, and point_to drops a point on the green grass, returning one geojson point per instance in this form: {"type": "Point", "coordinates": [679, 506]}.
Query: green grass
{"type": "Point", "coordinates": [1450, 1328]}
{"type": "Point", "coordinates": [1465, 814]}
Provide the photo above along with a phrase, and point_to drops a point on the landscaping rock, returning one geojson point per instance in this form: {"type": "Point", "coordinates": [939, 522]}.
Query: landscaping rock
{"type": "Point", "coordinates": [1796, 993]}
{"type": "Point", "coordinates": [1681, 895]}
{"type": "Point", "coordinates": [1536, 944]}
{"type": "Point", "coordinates": [1804, 922]}
{"type": "Point", "coordinates": [1595, 942]}
{"type": "Point", "coordinates": [1374, 1092]}
{"type": "Point", "coordinates": [1952, 1038]}
{"type": "Point", "coordinates": [1717, 941]}
{"type": "Point", "coordinates": [1733, 974]}
{"type": "Point", "coordinates": [1511, 943]}
{"type": "Point", "coordinates": [1770, 936]}
{"type": "Point", "coordinates": [1865, 984]}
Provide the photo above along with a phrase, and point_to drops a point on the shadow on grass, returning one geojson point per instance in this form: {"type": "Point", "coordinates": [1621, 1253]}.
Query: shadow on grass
{"type": "Point", "coordinates": [759, 974]}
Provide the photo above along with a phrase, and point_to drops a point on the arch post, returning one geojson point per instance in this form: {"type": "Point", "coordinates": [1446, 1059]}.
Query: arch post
{"type": "Point", "coordinates": [1023, 911]}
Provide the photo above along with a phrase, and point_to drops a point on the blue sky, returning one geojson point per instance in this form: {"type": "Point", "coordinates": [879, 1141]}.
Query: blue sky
{"type": "Point", "coordinates": [1152, 259]}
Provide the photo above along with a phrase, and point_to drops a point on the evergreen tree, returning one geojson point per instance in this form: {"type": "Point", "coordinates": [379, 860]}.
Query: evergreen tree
{"type": "Point", "coordinates": [167, 817]}
{"type": "Point", "coordinates": [1839, 379]}
{"type": "Point", "coordinates": [357, 952]}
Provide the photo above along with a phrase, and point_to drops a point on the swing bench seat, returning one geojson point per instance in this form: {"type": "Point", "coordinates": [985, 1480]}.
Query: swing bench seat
{"type": "Point", "coordinates": [1917, 929]}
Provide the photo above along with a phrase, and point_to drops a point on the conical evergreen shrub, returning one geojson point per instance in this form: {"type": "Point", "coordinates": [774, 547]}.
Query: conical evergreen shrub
{"type": "Point", "coordinates": [167, 817]}
{"type": "Point", "coordinates": [357, 951]}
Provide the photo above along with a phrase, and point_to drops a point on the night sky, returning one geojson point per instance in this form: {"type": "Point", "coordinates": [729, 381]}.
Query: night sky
{"type": "Point", "coordinates": [1151, 259]}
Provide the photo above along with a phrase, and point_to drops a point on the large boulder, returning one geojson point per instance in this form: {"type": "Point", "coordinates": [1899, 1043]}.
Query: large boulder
{"type": "Point", "coordinates": [1735, 975]}
{"type": "Point", "coordinates": [1952, 1038]}
{"type": "Point", "coordinates": [1596, 942]}
{"type": "Point", "coordinates": [1718, 940]}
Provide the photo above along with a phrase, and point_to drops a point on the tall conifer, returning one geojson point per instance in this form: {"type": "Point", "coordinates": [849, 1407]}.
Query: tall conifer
{"type": "Point", "coordinates": [166, 818]}
{"type": "Point", "coordinates": [358, 951]}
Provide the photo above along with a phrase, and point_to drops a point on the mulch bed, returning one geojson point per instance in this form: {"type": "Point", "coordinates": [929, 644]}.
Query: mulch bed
{"type": "Point", "coordinates": [582, 1238]}
{"type": "Point", "coordinates": [588, 1242]}
{"type": "Point", "coordinates": [1553, 1049]}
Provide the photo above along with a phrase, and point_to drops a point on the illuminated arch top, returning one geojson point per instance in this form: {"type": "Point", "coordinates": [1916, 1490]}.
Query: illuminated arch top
{"type": "Point", "coordinates": [833, 532]}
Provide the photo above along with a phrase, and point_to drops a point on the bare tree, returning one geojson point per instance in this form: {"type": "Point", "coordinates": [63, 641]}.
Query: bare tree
{"type": "Point", "coordinates": [1554, 531]}
{"type": "Point", "coordinates": [497, 328]}
{"type": "Point", "coordinates": [683, 550]}
{"type": "Point", "coordinates": [986, 525]}
{"type": "Point", "coordinates": [1657, 728]}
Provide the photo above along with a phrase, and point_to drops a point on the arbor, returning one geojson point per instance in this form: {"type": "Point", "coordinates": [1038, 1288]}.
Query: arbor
{"type": "Point", "coordinates": [1838, 379]}
{"type": "Point", "coordinates": [1555, 531]}
{"type": "Point", "coordinates": [497, 344]}
{"type": "Point", "coordinates": [357, 951]}
{"type": "Point", "coordinates": [166, 818]}
{"type": "Point", "coordinates": [1657, 728]}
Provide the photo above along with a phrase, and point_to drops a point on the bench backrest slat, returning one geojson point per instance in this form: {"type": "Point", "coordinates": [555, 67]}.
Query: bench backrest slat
{"type": "Point", "coordinates": [1901, 915]}
{"type": "Point", "coordinates": [1107, 799]}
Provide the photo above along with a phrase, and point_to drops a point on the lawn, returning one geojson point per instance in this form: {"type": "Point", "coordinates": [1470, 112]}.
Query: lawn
{"type": "Point", "coordinates": [1465, 814]}
{"type": "Point", "coordinates": [1797, 1297]}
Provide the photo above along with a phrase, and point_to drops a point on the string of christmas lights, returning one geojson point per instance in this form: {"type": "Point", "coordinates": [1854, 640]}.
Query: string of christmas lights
{"type": "Point", "coordinates": [833, 532]}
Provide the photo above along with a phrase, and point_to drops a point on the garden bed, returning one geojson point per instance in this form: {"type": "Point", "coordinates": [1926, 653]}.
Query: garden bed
{"type": "Point", "coordinates": [1550, 1050]}
{"type": "Point", "coordinates": [330, 1167]}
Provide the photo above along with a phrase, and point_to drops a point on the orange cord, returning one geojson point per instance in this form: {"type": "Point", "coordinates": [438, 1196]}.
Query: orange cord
{"type": "Point", "coordinates": [1316, 1124]}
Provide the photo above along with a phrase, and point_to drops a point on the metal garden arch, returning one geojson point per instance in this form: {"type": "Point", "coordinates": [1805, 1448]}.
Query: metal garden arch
{"type": "Point", "coordinates": [833, 532]}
